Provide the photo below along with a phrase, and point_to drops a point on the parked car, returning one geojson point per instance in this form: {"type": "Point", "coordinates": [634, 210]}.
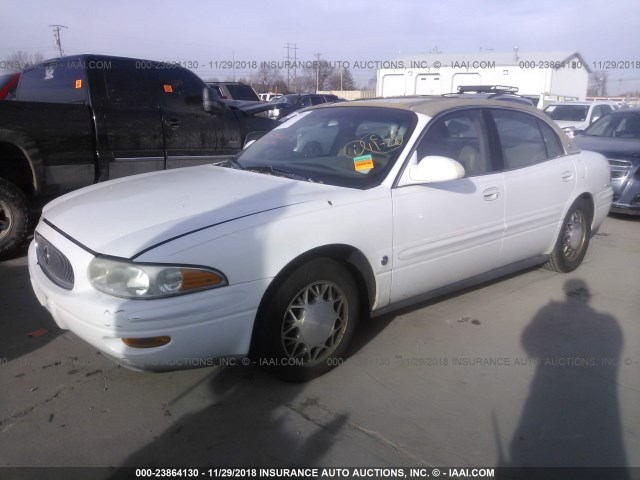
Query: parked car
{"type": "Point", "coordinates": [295, 101]}
{"type": "Point", "coordinates": [83, 119]}
{"type": "Point", "coordinates": [278, 254]}
{"type": "Point", "coordinates": [572, 116]}
{"type": "Point", "coordinates": [617, 136]}
{"type": "Point", "coordinates": [235, 93]}
{"type": "Point", "coordinates": [267, 97]}
{"type": "Point", "coordinates": [8, 85]}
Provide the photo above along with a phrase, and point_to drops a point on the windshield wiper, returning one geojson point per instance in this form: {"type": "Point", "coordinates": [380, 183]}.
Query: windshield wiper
{"type": "Point", "coordinates": [269, 170]}
{"type": "Point", "coordinates": [232, 162]}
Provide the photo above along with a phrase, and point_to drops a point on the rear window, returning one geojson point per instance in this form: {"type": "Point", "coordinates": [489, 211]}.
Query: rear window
{"type": "Point", "coordinates": [571, 113]}
{"type": "Point", "coordinates": [240, 91]}
{"type": "Point", "coordinates": [54, 82]}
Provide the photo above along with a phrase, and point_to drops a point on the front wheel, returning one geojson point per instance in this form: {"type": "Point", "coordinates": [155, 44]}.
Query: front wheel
{"type": "Point", "coordinates": [14, 217]}
{"type": "Point", "coordinates": [309, 321]}
{"type": "Point", "coordinates": [573, 241]}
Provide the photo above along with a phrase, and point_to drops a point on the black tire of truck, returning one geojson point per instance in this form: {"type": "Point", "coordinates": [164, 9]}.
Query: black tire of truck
{"type": "Point", "coordinates": [14, 217]}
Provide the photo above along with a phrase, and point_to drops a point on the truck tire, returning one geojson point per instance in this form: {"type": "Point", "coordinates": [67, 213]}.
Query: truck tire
{"type": "Point", "coordinates": [14, 217]}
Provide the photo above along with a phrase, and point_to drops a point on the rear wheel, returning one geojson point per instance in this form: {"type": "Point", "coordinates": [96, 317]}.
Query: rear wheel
{"type": "Point", "coordinates": [309, 321]}
{"type": "Point", "coordinates": [573, 241]}
{"type": "Point", "coordinates": [14, 217]}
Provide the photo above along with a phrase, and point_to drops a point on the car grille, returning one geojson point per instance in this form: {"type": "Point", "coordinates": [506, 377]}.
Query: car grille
{"type": "Point", "coordinates": [53, 263]}
{"type": "Point", "coordinates": [619, 168]}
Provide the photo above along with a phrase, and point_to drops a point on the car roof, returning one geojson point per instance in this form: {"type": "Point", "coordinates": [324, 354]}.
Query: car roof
{"type": "Point", "coordinates": [433, 105]}
{"type": "Point", "coordinates": [635, 110]}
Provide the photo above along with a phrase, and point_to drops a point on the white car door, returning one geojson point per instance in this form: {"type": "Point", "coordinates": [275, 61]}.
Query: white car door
{"type": "Point", "coordinates": [539, 182]}
{"type": "Point", "coordinates": [446, 232]}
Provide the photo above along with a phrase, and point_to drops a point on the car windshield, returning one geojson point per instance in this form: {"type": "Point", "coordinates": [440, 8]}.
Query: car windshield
{"type": "Point", "coordinates": [570, 113]}
{"type": "Point", "coordinates": [346, 146]}
{"type": "Point", "coordinates": [618, 125]}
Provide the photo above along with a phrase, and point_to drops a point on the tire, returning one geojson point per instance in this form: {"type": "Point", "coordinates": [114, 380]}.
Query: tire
{"type": "Point", "coordinates": [309, 321]}
{"type": "Point", "coordinates": [573, 240]}
{"type": "Point", "coordinates": [14, 217]}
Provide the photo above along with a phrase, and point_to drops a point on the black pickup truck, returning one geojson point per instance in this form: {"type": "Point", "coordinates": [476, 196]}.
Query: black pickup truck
{"type": "Point", "coordinates": [84, 119]}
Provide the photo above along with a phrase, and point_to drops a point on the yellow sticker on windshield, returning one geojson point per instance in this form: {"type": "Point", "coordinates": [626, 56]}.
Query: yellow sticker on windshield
{"type": "Point", "coordinates": [168, 89]}
{"type": "Point", "coordinates": [78, 83]}
{"type": "Point", "coordinates": [363, 164]}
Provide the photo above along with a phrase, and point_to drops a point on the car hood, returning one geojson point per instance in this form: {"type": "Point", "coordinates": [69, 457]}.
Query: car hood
{"type": "Point", "coordinates": [610, 147]}
{"type": "Point", "coordinates": [126, 216]}
{"type": "Point", "coordinates": [577, 124]}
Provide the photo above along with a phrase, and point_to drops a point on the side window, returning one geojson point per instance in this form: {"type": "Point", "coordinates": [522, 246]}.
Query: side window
{"type": "Point", "coordinates": [317, 100]}
{"type": "Point", "coordinates": [551, 140]}
{"type": "Point", "coordinates": [56, 82]}
{"type": "Point", "coordinates": [600, 111]}
{"type": "Point", "coordinates": [461, 136]}
{"type": "Point", "coordinates": [520, 138]}
{"type": "Point", "coordinates": [305, 102]}
{"type": "Point", "coordinates": [127, 85]}
{"type": "Point", "coordinates": [179, 88]}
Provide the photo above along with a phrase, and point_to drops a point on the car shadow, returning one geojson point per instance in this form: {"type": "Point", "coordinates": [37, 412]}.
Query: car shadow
{"type": "Point", "coordinates": [571, 417]}
{"type": "Point", "coordinates": [622, 216]}
{"type": "Point", "coordinates": [370, 327]}
{"type": "Point", "coordinates": [253, 421]}
{"type": "Point", "coordinates": [26, 326]}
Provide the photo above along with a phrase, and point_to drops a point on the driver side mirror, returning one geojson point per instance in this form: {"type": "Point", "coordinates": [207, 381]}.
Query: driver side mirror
{"type": "Point", "coordinates": [211, 102]}
{"type": "Point", "coordinates": [434, 169]}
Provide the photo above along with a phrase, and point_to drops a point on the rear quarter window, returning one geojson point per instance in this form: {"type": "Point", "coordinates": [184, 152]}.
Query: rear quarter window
{"type": "Point", "coordinates": [54, 82]}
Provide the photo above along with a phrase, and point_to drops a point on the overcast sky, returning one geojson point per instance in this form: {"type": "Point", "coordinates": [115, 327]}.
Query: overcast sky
{"type": "Point", "coordinates": [209, 31]}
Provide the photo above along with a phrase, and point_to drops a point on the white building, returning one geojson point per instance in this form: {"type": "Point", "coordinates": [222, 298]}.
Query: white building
{"type": "Point", "coordinates": [545, 76]}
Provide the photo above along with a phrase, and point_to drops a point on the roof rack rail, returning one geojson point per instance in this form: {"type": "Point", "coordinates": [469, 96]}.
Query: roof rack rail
{"type": "Point", "coordinates": [487, 89]}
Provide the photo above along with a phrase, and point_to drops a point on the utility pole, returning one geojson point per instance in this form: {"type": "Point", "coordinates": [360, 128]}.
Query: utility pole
{"type": "Point", "coordinates": [56, 35]}
{"type": "Point", "coordinates": [317, 55]}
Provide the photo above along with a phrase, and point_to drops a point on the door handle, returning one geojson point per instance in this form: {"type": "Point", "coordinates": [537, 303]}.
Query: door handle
{"type": "Point", "coordinates": [567, 176]}
{"type": "Point", "coordinates": [172, 122]}
{"type": "Point", "coordinates": [491, 194]}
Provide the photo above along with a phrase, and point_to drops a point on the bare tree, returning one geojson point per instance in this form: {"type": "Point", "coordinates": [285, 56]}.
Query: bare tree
{"type": "Point", "coordinates": [20, 60]}
{"type": "Point", "coordinates": [315, 78]}
{"type": "Point", "coordinates": [598, 83]}
{"type": "Point", "coordinates": [265, 79]}
{"type": "Point", "coordinates": [341, 80]}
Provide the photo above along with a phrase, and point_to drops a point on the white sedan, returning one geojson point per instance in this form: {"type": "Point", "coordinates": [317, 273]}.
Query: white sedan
{"type": "Point", "coordinates": [277, 254]}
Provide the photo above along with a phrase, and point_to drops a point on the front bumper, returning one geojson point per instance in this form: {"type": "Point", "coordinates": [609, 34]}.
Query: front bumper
{"type": "Point", "coordinates": [625, 180]}
{"type": "Point", "coordinates": [202, 326]}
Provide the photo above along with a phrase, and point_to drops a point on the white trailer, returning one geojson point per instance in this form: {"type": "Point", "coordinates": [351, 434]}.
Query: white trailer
{"type": "Point", "coordinates": [543, 76]}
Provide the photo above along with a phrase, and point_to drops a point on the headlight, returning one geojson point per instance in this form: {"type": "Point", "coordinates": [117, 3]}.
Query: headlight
{"type": "Point", "coordinates": [133, 280]}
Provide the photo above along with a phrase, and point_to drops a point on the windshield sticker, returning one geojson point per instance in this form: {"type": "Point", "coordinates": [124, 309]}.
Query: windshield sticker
{"type": "Point", "coordinates": [363, 164]}
{"type": "Point", "coordinates": [168, 89]}
{"type": "Point", "coordinates": [78, 83]}
{"type": "Point", "coordinates": [48, 72]}
{"type": "Point", "coordinates": [373, 143]}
